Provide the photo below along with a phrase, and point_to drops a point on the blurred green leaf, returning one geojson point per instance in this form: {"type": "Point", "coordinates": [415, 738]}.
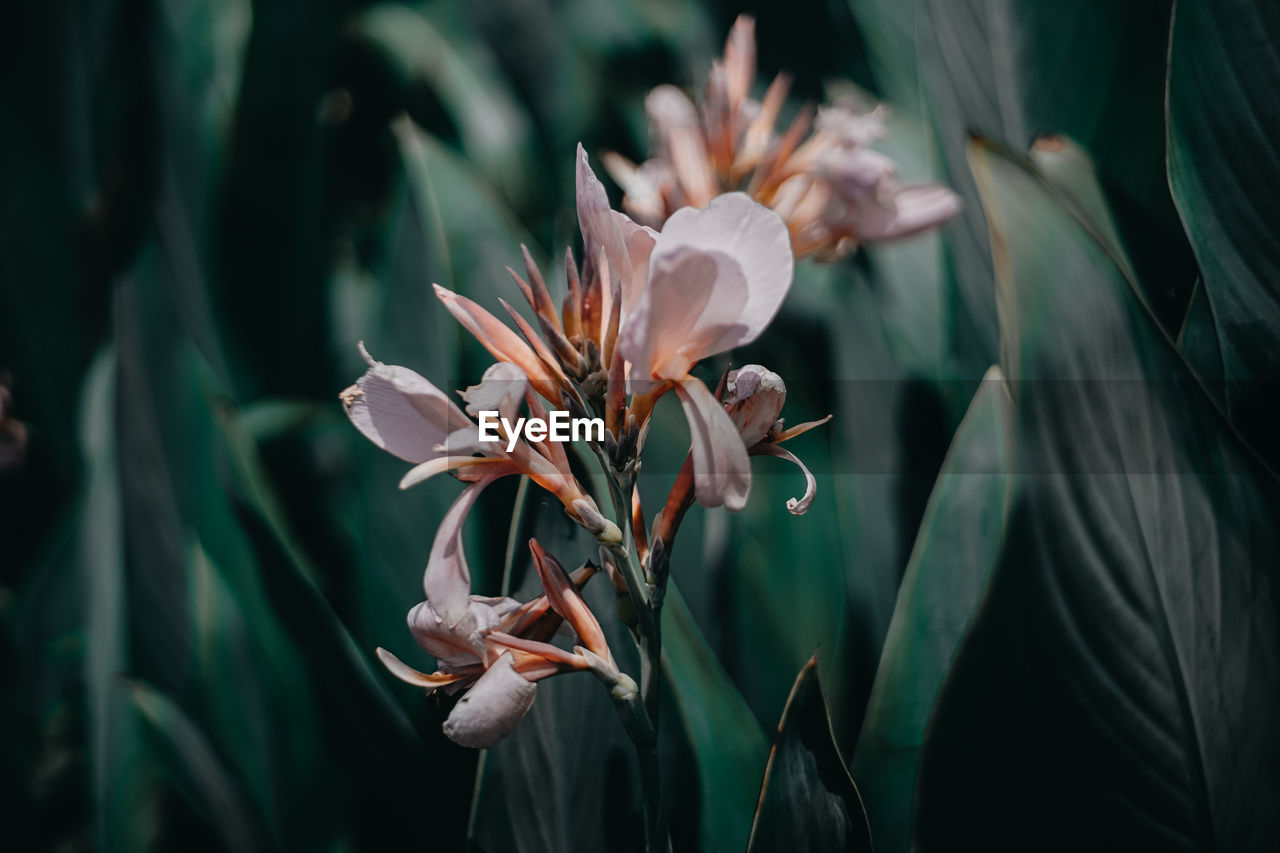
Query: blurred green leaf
{"type": "Point", "coordinates": [1224, 164]}
{"type": "Point", "coordinates": [955, 551]}
{"type": "Point", "coordinates": [493, 130]}
{"type": "Point", "coordinates": [194, 765]}
{"type": "Point", "coordinates": [808, 801]}
{"type": "Point", "coordinates": [1093, 71]}
{"type": "Point", "coordinates": [1120, 678]}
{"type": "Point", "coordinates": [119, 780]}
{"type": "Point", "coordinates": [727, 741]}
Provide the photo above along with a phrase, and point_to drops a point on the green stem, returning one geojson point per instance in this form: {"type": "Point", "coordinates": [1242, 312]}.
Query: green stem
{"type": "Point", "coordinates": [639, 726]}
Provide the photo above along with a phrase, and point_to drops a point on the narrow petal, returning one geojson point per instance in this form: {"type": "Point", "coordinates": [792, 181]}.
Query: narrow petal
{"type": "Point", "coordinates": [409, 675]}
{"type": "Point", "coordinates": [492, 707]}
{"type": "Point", "coordinates": [447, 580]}
{"type": "Point", "coordinates": [721, 470]}
{"type": "Point", "coordinates": [567, 601]}
{"type": "Point", "coordinates": [799, 429]}
{"type": "Point", "coordinates": [795, 506]}
{"type": "Point", "coordinates": [426, 470]}
{"type": "Point", "coordinates": [401, 412]}
{"type": "Point", "coordinates": [502, 343]}
{"type": "Point", "coordinates": [754, 237]}
{"type": "Point", "coordinates": [601, 231]}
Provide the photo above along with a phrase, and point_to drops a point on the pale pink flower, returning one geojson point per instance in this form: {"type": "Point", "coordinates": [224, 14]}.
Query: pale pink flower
{"type": "Point", "coordinates": [833, 191]}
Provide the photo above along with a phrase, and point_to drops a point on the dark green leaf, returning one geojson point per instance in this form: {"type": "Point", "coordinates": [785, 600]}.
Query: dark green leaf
{"type": "Point", "coordinates": [1118, 686]}
{"type": "Point", "coordinates": [190, 759]}
{"type": "Point", "coordinates": [727, 741]}
{"type": "Point", "coordinates": [1224, 166]}
{"type": "Point", "coordinates": [953, 557]}
{"type": "Point", "coordinates": [808, 801]}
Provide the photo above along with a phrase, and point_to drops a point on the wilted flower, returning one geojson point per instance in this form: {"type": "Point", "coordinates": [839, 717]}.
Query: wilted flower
{"type": "Point", "coordinates": [499, 650]}
{"type": "Point", "coordinates": [833, 191]}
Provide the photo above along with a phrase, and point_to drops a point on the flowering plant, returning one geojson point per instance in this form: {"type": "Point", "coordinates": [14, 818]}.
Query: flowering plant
{"type": "Point", "coordinates": [645, 308]}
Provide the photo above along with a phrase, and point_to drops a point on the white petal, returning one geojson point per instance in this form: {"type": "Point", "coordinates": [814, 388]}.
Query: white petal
{"type": "Point", "coordinates": [754, 237]}
{"type": "Point", "coordinates": [912, 209]}
{"type": "Point", "coordinates": [682, 312]}
{"type": "Point", "coordinates": [607, 229]}
{"type": "Point", "coordinates": [721, 470]}
{"type": "Point", "coordinates": [492, 707]}
{"type": "Point", "coordinates": [447, 580]}
{"type": "Point", "coordinates": [501, 390]}
{"type": "Point", "coordinates": [401, 412]}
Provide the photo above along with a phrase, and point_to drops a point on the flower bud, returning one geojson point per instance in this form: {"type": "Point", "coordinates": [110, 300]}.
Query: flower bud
{"type": "Point", "coordinates": [755, 398]}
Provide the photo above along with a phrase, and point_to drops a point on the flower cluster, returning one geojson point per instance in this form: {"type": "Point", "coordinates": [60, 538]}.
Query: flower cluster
{"type": "Point", "coordinates": [644, 308]}
{"type": "Point", "coordinates": [820, 175]}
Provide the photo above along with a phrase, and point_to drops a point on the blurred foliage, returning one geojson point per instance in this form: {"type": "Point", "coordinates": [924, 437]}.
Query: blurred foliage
{"type": "Point", "coordinates": [207, 204]}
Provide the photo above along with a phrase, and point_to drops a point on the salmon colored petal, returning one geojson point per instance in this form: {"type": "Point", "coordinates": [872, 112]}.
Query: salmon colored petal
{"type": "Point", "coordinates": [567, 601]}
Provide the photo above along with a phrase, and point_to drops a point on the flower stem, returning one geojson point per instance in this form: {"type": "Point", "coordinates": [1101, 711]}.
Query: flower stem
{"type": "Point", "coordinates": [640, 717]}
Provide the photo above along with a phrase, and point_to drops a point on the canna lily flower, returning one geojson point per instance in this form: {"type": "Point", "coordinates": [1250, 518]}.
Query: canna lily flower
{"type": "Point", "coordinates": [711, 280]}
{"type": "Point", "coordinates": [833, 190]}
{"type": "Point", "coordinates": [500, 653]}
{"type": "Point", "coordinates": [404, 414]}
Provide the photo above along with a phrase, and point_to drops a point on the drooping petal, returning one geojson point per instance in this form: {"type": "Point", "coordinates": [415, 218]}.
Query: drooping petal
{"type": "Point", "coordinates": [401, 412]}
{"type": "Point", "coordinates": [754, 237]}
{"type": "Point", "coordinates": [447, 580]}
{"type": "Point", "coordinates": [795, 506]}
{"type": "Point", "coordinates": [911, 209]}
{"type": "Point", "coordinates": [493, 706]}
{"type": "Point", "coordinates": [721, 470]}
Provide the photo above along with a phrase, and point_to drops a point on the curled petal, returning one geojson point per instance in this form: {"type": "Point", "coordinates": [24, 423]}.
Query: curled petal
{"type": "Point", "coordinates": [432, 681]}
{"type": "Point", "coordinates": [795, 506]}
{"type": "Point", "coordinates": [721, 470]}
{"type": "Point", "coordinates": [561, 660]}
{"type": "Point", "coordinates": [492, 707]}
{"type": "Point", "coordinates": [401, 412]}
